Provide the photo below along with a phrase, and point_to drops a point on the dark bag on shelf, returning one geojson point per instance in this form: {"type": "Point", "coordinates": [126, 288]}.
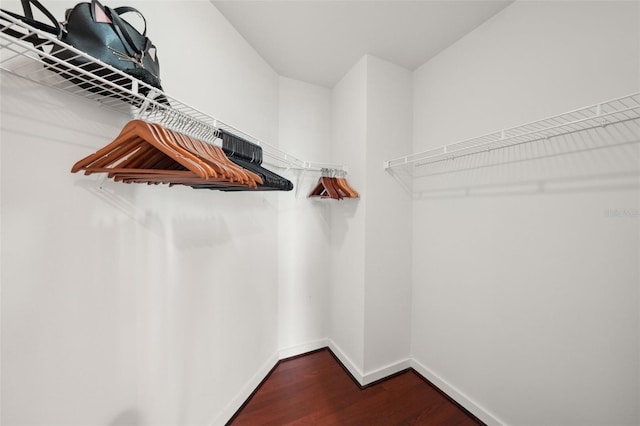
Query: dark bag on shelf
{"type": "Point", "coordinates": [102, 33]}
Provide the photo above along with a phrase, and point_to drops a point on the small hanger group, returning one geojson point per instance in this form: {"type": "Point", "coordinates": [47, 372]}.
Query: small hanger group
{"type": "Point", "coordinates": [333, 184]}
{"type": "Point", "coordinates": [149, 153]}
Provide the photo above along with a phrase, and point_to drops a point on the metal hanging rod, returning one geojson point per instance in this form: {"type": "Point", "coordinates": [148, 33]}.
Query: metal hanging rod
{"type": "Point", "coordinates": [114, 89]}
{"type": "Point", "coordinates": [603, 114]}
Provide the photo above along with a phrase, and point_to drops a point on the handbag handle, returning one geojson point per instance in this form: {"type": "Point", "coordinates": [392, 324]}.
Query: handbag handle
{"type": "Point", "coordinates": [125, 9]}
{"type": "Point", "coordinates": [118, 24]}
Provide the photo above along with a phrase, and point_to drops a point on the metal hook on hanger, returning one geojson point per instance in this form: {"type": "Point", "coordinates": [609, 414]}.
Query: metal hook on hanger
{"type": "Point", "coordinates": [192, 128]}
{"type": "Point", "coordinates": [199, 130]}
{"type": "Point", "coordinates": [209, 133]}
{"type": "Point", "coordinates": [150, 113]}
{"type": "Point", "coordinates": [168, 118]}
{"type": "Point", "coordinates": [181, 122]}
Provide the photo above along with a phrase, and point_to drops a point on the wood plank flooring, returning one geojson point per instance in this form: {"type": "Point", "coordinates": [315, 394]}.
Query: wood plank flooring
{"type": "Point", "coordinates": [314, 389]}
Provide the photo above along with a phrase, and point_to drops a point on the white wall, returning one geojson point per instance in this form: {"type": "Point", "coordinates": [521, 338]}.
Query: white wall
{"type": "Point", "coordinates": [304, 224]}
{"type": "Point", "coordinates": [370, 302]}
{"type": "Point", "coordinates": [387, 301]}
{"type": "Point", "coordinates": [235, 78]}
{"type": "Point", "coordinates": [135, 304]}
{"type": "Point", "coordinates": [525, 297]}
{"type": "Point", "coordinates": [148, 305]}
{"type": "Point", "coordinates": [348, 146]}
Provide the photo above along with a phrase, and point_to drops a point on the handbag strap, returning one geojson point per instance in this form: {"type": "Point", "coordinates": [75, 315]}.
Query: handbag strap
{"type": "Point", "coordinates": [28, 19]}
{"type": "Point", "coordinates": [26, 6]}
{"type": "Point", "coordinates": [126, 9]}
{"type": "Point", "coordinates": [120, 27]}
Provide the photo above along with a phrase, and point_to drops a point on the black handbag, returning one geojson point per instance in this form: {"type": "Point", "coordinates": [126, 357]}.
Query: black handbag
{"type": "Point", "coordinates": [102, 33]}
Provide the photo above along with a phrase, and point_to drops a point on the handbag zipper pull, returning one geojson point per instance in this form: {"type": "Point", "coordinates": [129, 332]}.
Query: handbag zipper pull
{"type": "Point", "coordinates": [123, 56]}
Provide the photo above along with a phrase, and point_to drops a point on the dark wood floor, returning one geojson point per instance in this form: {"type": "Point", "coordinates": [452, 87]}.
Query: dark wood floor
{"type": "Point", "coordinates": [314, 389]}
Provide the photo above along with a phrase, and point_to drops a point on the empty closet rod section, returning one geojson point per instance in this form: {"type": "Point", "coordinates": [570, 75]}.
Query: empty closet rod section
{"type": "Point", "coordinates": [604, 114]}
{"type": "Point", "coordinates": [114, 89]}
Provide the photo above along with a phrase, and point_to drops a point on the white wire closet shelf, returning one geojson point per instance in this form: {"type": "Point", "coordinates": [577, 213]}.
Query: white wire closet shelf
{"type": "Point", "coordinates": [114, 89]}
{"type": "Point", "coordinates": [604, 114]}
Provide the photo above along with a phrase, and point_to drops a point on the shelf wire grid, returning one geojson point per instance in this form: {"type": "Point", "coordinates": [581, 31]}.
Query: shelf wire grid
{"type": "Point", "coordinates": [99, 82]}
{"type": "Point", "coordinates": [615, 111]}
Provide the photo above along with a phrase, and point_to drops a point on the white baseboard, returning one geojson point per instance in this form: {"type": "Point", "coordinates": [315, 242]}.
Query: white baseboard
{"type": "Point", "coordinates": [349, 365]}
{"type": "Point", "coordinates": [386, 371]}
{"type": "Point", "coordinates": [474, 408]}
{"type": "Point", "coordinates": [366, 378]}
{"type": "Point", "coordinates": [223, 417]}
{"type": "Point", "coordinates": [362, 378]}
{"type": "Point", "coordinates": [303, 348]}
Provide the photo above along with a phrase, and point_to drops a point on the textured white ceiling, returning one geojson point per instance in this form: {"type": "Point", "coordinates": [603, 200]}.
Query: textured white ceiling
{"type": "Point", "coordinates": [319, 41]}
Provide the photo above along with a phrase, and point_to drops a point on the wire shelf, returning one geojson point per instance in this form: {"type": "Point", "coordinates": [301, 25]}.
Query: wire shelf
{"type": "Point", "coordinates": [114, 89]}
{"type": "Point", "coordinates": [604, 114]}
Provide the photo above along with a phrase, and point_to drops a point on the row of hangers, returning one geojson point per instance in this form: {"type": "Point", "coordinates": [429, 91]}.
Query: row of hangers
{"type": "Point", "coordinates": [333, 184]}
{"type": "Point", "coordinates": [147, 152]}
{"type": "Point", "coordinates": [249, 156]}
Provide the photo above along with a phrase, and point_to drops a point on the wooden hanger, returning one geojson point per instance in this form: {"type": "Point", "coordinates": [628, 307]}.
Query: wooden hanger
{"type": "Point", "coordinates": [206, 150]}
{"type": "Point", "coordinates": [215, 157]}
{"type": "Point", "coordinates": [135, 138]}
{"type": "Point", "coordinates": [329, 186]}
{"type": "Point", "coordinates": [149, 153]}
{"type": "Point", "coordinates": [171, 140]}
{"type": "Point", "coordinates": [341, 181]}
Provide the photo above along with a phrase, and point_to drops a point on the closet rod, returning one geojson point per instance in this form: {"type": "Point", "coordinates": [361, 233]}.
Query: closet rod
{"type": "Point", "coordinates": [129, 96]}
{"type": "Point", "coordinates": [603, 114]}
